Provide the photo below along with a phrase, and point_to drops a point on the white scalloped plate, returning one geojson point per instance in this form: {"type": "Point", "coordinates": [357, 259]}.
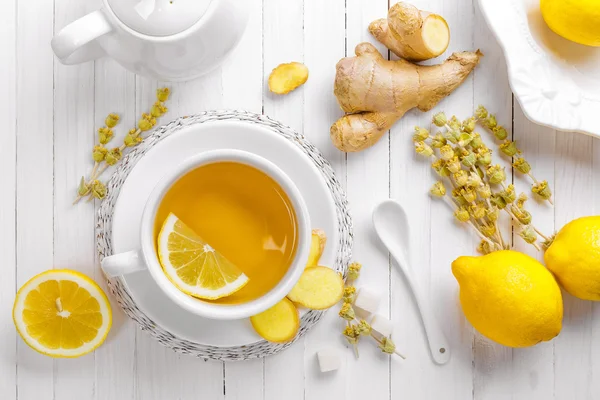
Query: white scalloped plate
{"type": "Point", "coordinates": [556, 81]}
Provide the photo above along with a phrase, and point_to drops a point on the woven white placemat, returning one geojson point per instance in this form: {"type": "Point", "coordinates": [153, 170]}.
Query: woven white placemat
{"type": "Point", "coordinates": [123, 297]}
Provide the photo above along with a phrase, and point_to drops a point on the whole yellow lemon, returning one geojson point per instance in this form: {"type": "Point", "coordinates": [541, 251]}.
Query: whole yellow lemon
{"type": "Point", "coordinates": [576, 20]}
{"type": "Point", "coordinates": [574, 257]}
{"type": "Point", "coordinates": [509, 297]}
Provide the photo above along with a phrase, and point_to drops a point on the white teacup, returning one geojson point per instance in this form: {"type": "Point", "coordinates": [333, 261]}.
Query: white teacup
{"type": "Point", "coordinates": [147, 259]}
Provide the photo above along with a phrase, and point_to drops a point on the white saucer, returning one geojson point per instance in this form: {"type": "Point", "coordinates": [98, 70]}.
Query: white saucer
{"type": "Point", "coordinates": [169, 152]}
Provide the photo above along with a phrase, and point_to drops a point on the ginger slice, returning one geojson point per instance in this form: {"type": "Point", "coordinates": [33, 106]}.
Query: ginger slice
{"type": "Point", "coordinates": [317, 246]}
{"type": "Point", "coordinates": [412, 34]}
{"type": "Point", "coordinates": [376, 92]}
{"type": "Point", "coordinates": [278, 324]}
{"type": "Point", "coordinates": [318, 288]}
{"type": "Point", "coordinates": [287, 77]}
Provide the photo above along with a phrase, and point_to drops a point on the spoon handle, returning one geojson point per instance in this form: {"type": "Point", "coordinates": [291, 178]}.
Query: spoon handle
{"type": "Point", "coordinates": [438, 344]}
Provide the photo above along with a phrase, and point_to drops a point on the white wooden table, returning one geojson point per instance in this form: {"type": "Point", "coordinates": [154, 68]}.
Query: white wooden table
{"type": "Point", "coordinates": [49, 114]}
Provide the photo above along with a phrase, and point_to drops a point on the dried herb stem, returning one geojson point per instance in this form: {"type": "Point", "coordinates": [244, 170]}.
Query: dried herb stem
{"type": "Point", "coordinates": [355, 329]}
{"type": "Point", "coordinates": [532, 177]}
{"type": "Point", "coordinates": [510, 149]}
{"type": "Point", "coordinates": [521, 225]}
{"type": "Point", "coordinates": [96, 164]}
{"type": "Point", "coordinates": [453, 207]}
{"type": "Point", "coordinates": [546, 238]}
{"type": "Point", "coordinates": [354, 345]}
{"type": "Point", "coordinates": [395, 351]}
{"type": "Point", "coordinates": [105, 157]}
{"type": "Point", "coordinates": [479, 188]}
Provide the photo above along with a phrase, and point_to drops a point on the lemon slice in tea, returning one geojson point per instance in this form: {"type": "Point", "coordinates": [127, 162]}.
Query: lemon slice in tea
{"type": "Point", "coordinates": [193, 265]}
{"type": "Point", "coordinates": [62, 313]}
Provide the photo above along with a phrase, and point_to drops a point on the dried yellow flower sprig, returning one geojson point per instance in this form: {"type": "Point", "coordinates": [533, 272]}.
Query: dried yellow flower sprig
{"type": "Point", "coordinates": [510, 149]}
{"type": "Point", "coordinates": [478, 189]}
{"type": "Point", "coordinates": [355, 328]}
{"type": "Point", "coordinates": [471, 214]}
{"type": "Point", "coordinates": [104, 157]}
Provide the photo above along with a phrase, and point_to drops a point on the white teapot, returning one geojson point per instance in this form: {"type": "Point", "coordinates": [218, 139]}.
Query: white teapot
{"type": "Point", "coordinates": [170, 40]}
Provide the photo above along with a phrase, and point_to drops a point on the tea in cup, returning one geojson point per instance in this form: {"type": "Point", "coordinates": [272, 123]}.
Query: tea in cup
{"type": "Point", "coordinates": [225, 235]}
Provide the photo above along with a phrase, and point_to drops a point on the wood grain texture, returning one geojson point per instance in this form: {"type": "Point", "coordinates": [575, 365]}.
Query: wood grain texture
{"type": "Point", "coordinates": [537, 143]}
{"type": "Point", "coordinates": [456, 378]}
{"type": "Point", "coordinates": [367, 183]}
{"type": "Point", "coordinates": [8, 210]}
{"type": "Point", "coordinates": [435, 241]}
{"type": "Point", "coordinates": [283, 41]}
{"type": "Point", "coordinates": [116, 359]}
{"type": "Point", "coordinates": [324, 41]}
{"type": "Point", "coordinates": [574, 187]}
{"type": "Point", "coordinates": [492, 363]}
{"type": "Point", "coordinates": [50, 114]}
{"type": "Point", "coordinates": [595, 328]}
{"type": "Point", "coordinates": [35, 176]}
{"type": "Point", "coordinates": [73, 138]}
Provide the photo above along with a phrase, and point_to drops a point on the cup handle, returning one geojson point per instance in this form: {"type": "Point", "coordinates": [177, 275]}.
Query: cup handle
{"type": "Point", "coordinates": [123, 263]}
{"type": "Point", "coordinates": [76, 43]}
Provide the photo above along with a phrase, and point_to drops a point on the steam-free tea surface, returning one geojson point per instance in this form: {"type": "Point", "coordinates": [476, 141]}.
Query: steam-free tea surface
{"type": "Point", "coordinates": [244, 215]}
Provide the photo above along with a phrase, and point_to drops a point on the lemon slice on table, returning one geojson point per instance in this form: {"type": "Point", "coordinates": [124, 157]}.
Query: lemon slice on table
{"type": "Point", "coordinates": [193, 265]}
{"type": "Point", "coordinates": [62, 313]}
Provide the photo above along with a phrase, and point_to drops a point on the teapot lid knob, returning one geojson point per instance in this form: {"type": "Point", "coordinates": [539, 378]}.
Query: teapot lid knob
{"type": "Point", "coordinates": [159, 17]}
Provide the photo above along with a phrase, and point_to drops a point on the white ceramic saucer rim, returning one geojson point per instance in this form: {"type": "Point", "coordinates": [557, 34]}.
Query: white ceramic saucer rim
{"type": "Point", "coordinates": [342, 252]}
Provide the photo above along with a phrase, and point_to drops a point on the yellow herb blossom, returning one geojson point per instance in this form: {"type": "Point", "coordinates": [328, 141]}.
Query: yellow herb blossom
{"type": "Point", "coordinates": [438, 189]}
{"type": "Point", "coordinates": [354, 270]}
{"type": "Point", "coordinates": [420, 135]}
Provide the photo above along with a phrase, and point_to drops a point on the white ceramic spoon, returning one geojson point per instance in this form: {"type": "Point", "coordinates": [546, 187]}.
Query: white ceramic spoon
{"type": "Point", "coordinates": [391, 224]}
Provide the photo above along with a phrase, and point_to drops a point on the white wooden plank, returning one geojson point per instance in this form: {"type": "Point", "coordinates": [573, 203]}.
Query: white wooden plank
{"type": "Point", "coordinates": [324, 46]}
{"type": "Point", "coordinates": [595, 350]}
{"type": "Point", "coordinates": [436, 239]}
{"type": "Point", "coordinates": [162, 374]}
{"type": "Point", "coordinates": [35, 78]}
{"type": "Point", "coordinates": [242, 71]}
{"type": "Point", "coordinates": [409, 182]}
{"type": "Point", "coordinates": [74, 225]}
{"type": "Point", "coordinates": [244, 380]}
{"type": "Point", "coordinates": [492, 362]}
{"type": "Point", "coordinates": [8, 163]}
{"type": "Point", "coordinates": [410, 179]}
{"type": "Point", "coordinates": [243, 89]}
{"type": "Point", "coordinates": [284, 42]}
{"type": "Point", "coordinates": [457, 377]}
{"type": "Point", "coordinates": [535, 366]}
{"type": "Point", "coordinates": [156, 365]}
{"type": "Point", "coordinates": [574, 187]}
{"type": "Point", "coordinates": [368, 183]}
{"type": "Point", "coordinates": [115, 360]}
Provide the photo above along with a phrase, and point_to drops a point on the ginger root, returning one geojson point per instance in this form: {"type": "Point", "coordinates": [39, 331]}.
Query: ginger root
{"type": "Point", "coordinates": [286, 77]}
{"type": "Point", "coordinates": [278, 324]}
{"type": "Point", "coordinates": [318, 288]}
{"type": "Point", "coordinates": [376, 92]}
{"type": "Point", "coordinates": [412, 34]}
{"type": "Point", "coordinates": [317, 246]}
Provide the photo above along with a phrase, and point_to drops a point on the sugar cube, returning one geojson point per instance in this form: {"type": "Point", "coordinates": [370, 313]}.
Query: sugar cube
{"type": "Point", "coordinates": [367, 301]}
{"type": "Point", "coordinates": [382, 326]}
{"type": "Point", "coordinates": [329, 360]}
{"type": "Point", "coordinates": [362, 314]}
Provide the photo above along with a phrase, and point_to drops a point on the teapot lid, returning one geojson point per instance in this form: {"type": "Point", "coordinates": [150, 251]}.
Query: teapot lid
{"type": "Point", "coordinates": [159, 17]}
